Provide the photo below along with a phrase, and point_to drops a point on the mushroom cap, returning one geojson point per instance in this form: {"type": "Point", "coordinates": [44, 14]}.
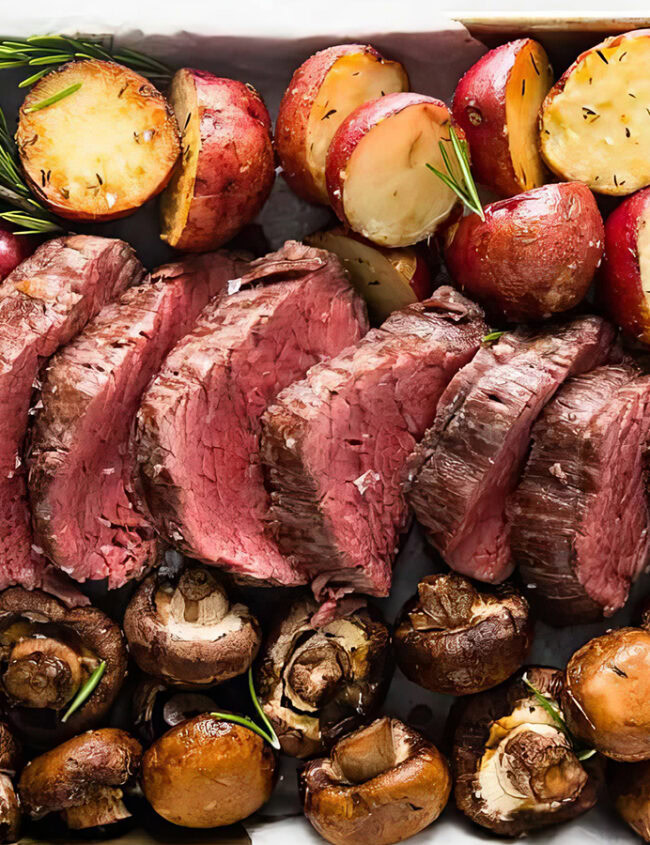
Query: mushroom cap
{"type": "Point", "coordinates": [381, 784]}
{"type": "Point", "coordinates": [514, 767]}
{"type": "Point", "coordinates": [629, 787]}
{"type": "Point", "coordinates": [88, 632]}
{"type": "Point", "coordinates": [606, 681]}
{"type": "Point", "coordinates": [318, 682]}
{"type": "Point", "coordinates": [453, 639]}
{"type": "Point", "coordinates": [156, 707]}
{"type": "Point", "coordinates": [71, 774]}
{"type": "Point", "coordinates": [10, 815]}
{"type": "Point", "coordinates": [10, 751]}
{"type": "Point", "coordinates": [188, 633]}
{"type": "Point", "coordinates": [207, 772]}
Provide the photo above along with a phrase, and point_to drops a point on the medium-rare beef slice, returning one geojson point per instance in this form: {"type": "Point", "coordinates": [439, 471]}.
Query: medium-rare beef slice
{"type": "Point", "coordinates": [44, 303]}
{"type": "Point", "coordinates": [460, 475]}
{"type": "Point", "coordinates": [85, 515]}
{"type": "Point", "coordinates": [199, 423]}
{"type": "Point", "coordinates": [334, 444]}
{"type": "Point", "coordinates": [579, 520]}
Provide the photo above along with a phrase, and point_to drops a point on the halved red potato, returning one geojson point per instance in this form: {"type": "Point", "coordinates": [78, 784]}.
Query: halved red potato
{"type": "Point", "coordinates": [388, 279]}
{"type": "Point", "coordinates": [534, 255]}
{"type": "Point", "coordinates": [595, 123]}
{"type": "Point", "coordinates": [497, 103]}
{"type": "Point", "coordinates": [227, 165]}
{"type": "Point", "coordinates": [624, 282]}
{"type": "Point", "coordinates": [321, 94]}
{"type": "Point", "coordinates": [104, 148]}
{"type": "Point", "coordinates": [376, 172]}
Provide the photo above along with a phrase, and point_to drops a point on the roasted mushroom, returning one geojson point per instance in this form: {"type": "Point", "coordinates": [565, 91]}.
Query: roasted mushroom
{"type": "Point", "coordinates": [317, 682]}
{"type": "Point", "coordinates": [187, 632]}
{"type": "Point", "coordinates": [451, 638]}
{"type": "Point", "coordinates": [629, 787]}
{"type": "Point", "coordinates": [10, 757]}
{"type": "Point", "coordinates": [47, 652]}
{"type": "Point", "coordinates": [514, 765]}
{"type": "Point", "coordinates": [207, 772]}
{"type": "Point", "coordinates": [606, 695]}
{"type": "Point", "coordinates": [156, 707]}
{"type": "Point", "coordinates": [84, 779]}
{"type": "Point", "coordinates": [382, 784]}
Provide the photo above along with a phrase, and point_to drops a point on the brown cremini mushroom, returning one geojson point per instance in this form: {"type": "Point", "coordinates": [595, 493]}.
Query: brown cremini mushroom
{"type": "Point", "coordinates": [156, 707]}
{"type": "Point", "coordinates": [606, 694]}
{"type": "Point", "coordinates": [317, 682]}
{"type": "Point", "coordinates": [207, 772]}
{"type": "Point", "coordinates": [453, 639]}
{"type": "Point", "coordinates": [514, 766]}
{"type": "Point", "coordinates": [187, 632]}
{"type": "Point", "coordinates": [629, 787]}
{"type": "Point", "coordinates": [382, 784]}
{"type": "Point", "coordinates": [47, 652]}
{"type": "Point", "coordinates": [10, 758]}
{"type": "Point", "coordinates": [84, 779]}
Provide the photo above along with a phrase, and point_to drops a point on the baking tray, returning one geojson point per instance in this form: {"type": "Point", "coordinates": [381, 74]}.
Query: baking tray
{"type": "Point", "coordinates": [263, 46]}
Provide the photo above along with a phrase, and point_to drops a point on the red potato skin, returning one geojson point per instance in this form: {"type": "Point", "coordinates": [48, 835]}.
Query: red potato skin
{"type": "Point", "coordinates": [293, 116]}
{"type": "Point", "coordinates": [620, 288]}
{"type": "Point", "coordinates": [535, 255]}
{"type": "Point", "coordinates": [355, 127]}
{"type": "Point", "coordinates": [235, 128]}
{"type": "Point", "coordinates": [13, 250]}
{"type": "Point", "coordinates": [485, 84]}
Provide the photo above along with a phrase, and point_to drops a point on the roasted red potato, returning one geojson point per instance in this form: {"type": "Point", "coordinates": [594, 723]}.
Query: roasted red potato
{"type": "Point", "coordinates": [534, 255]}
{"type": "Point", "coordinates": [321, 94]}
{"type": "Point", "coordinates": [227, 167]}
{"type": "Point", "coordinates": [594, 124]}
{"type": "Point", "coordinates": [624, 283]}
{"type": "Point", "coordinates": [96, 140]}
{"type": "Point", "coordinates": [388, 279]}
{"type": "Point", "coordinates": [13, 250]}
{"type": "Point", "coordinates": [376, 172]}
{"type": "Point", "coordinates": [497, 103]}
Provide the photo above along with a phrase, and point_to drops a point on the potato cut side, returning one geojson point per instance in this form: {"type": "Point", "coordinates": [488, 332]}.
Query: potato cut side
{"type": "Point", "coordinates": [389, 196]}
{"type": "Point", "coordinates": [103, 150]}
{"type": "Point", "coordinates": [353, 79]}
{"type": "Point", "coordinates": [528, 84]}
{"type": "Point", "coordinates": [388, 279]}
{"type": "Point", "coordinates": [176, 201]}
{"type": "Point", "coordinates": [595, 122]}
{"type": "Point", "coordinates": [643, 251]}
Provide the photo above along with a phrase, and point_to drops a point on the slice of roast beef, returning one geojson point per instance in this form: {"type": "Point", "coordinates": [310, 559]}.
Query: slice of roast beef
{"type": "Point", "coordinates": [579, 520]}
{"type": "Point", "coordinates": [44, 303]}
{"type": "Point", "coordinates": [85, 516]}
{"type": "Point", "coordinates": [199, 423]}
{"type": "Point", "coordinates": [460, 475]}
{"type": "Point", "coordinates": [334, 444]}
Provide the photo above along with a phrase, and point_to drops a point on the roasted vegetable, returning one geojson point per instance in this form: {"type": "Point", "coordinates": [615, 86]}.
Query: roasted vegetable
{"type": "Point", "coordinates": [381, 784]}
{"type": "Point", "coordinates": [629, 787]}
{"type": "Point", "coordinates": [452, 639]}
{"type": "Point", "coordinates": [534, 255]}
{"type": "Point", "coordinates": [226, 170]}
{"type": "Point", "coordinates": [10, 762]}
{"type": "Point", "coordinates": [497, 103]}
{"type": "Point", "coordinates": [594, 123]}
{"type": "Point", "coordinates": [96, 140]}
{"type": "Point", "coordinates": [322, 93]}
{"type": "Point", "coordinates": [376, 172]}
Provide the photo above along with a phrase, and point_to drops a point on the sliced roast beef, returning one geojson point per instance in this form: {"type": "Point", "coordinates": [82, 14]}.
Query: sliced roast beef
{"type": "Point", "coordinates": [86, 518]}
{"type": "Point", "coordinates": [199, 423]}
{"type": "Point", "coordinates": [580, 526]}
{"type": "Point", "coordinates": [334, 444]}
{"type": "Point", "coordinates": [44, 302]}
{"type": "Point", "coordinates": [461, 473]}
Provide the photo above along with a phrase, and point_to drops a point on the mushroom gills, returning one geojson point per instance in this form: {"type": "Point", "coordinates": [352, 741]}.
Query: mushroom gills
{"type": "Point", "coordinates": [105, 807]}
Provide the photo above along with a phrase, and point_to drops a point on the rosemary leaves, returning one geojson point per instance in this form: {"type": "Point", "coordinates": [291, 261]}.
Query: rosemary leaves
{"type": "Point", "coordinates": [459, 178]}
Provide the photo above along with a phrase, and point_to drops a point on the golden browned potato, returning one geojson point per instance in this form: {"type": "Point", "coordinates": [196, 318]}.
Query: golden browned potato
{"type": "Point", "coordinates": [96, 140]}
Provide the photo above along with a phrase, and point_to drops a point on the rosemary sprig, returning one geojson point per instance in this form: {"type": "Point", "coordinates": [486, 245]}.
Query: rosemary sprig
{"type": "Point", "coordinates": [86, 691]}
{"type": "Point", "coordinates": [271, 737]}
{"type": "Point", "coordinates": [461, 183]}
{"type": "Point", "coordinates": [581, 752]}
{"type": "Point", "coordinates": [60, 95]}
{"type": "Point", "coordinates": [491, 337]}
{"type": "Point", "coordinates": [46, 51]}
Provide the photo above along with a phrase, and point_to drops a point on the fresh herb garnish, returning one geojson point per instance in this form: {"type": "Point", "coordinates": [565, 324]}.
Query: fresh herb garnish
{"type": "Point", "coordinates": [29, 215]}
{"type": "Point", "coordinates": [491, 337]}
{"type": "Point", "coordinates": [462, 185]}
{"type": "Point", "coordinates": [271, 737]}
{"type": "Point", "coordinates": [60, 95]}
{"type": "Point", "coordinates": [86, 691]}
{"type": "Point", "coordinates": [47, 51]}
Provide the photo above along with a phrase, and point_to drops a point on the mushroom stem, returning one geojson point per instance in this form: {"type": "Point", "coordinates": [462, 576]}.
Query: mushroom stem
{"type": "Point", "coordinates": [105, 807]}
{"type": "Point", "coordinates": [42, 672]}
